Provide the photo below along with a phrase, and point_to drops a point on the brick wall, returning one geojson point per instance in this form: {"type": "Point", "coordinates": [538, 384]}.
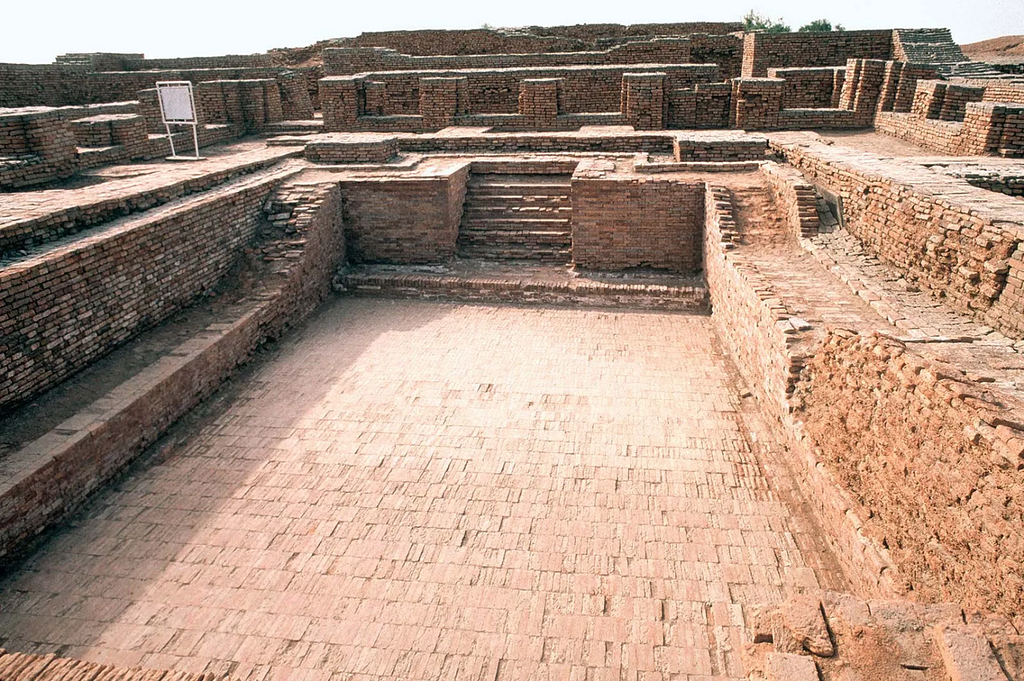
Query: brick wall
{"type": "Point", "coordinates": [794, 197]}
{"type": "Point", "coordinates": [530, 39]}
{"type": "Point", "coordinates": [60, 85]}
{"type": "Point", "coordinates": [584, 89]}
{"type": "Point", "coordinates": [810, 88]}
{"type": "Point", "coordinates": [339, 61]}
{"type": "Point", "coordinates": [724, 50]}
{"type": "Point", "coordinates": [926, 454]}
{"type": "Point", "coordinates": [72, 461]}
{"type": "Point", "coordinates": [984, 128]}
{"type": "Point", "coordinates": [404, 220]}
{"type": "Point", "coordinates": [107, 61]}
{"type": "Point", "coordinates": [98, 292]}
{"type": "Point", "coordinates": [619, 223]}
{"type": "Point", "coordinates": [762, 51]}
{"type": "Point", "coordinates": [961, 243]}
{"type": "Point", "coordinates": [39, 146]}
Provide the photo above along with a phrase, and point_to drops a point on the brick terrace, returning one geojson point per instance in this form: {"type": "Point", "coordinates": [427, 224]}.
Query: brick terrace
{"type": "Point", "coordinates": [423, 490]}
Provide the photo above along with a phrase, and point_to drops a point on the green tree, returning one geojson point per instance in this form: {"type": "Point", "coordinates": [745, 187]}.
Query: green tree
{"type": "Point", "coordinates": [820, 25]}
{"type": "Point", "coordinates": [758, 22]}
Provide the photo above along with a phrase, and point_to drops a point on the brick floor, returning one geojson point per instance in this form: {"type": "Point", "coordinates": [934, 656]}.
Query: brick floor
{"type": "Point", "coordinates": [416, 490]}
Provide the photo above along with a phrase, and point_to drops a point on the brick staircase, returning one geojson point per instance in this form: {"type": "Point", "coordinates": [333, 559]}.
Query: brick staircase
{"type": "Point", "coordinates": [517, 217]}
{"type": "Point", "coordinates": [935, 46]}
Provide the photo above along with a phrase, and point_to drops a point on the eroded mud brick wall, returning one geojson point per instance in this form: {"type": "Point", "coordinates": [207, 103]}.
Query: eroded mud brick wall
{"type": "Point", "coordinates": [762, 51]}
{"type": "Point", "coordinates": [404, 221]}
{"type": "Point", "coordinates": [619, 223]}
{"type": "Point", "coordinates": [921, 447]}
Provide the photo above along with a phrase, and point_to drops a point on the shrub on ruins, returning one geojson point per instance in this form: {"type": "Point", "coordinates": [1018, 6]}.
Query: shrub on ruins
{"type": "Point", "coordinates": [820, 26]}
{"type": "Point", "coordinates": [753, 21]}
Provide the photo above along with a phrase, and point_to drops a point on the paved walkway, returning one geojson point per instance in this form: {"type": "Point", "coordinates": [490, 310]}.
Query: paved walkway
{"type": "Point", "coordinates": [420, 491]}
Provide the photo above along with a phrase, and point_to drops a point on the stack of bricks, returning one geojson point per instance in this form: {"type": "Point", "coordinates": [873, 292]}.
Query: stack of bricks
{"type": "Point", "coordinates": [538, 102]}
{"type": "Point", "coordinates": [441, 100]}
{"type": "Point", "coordinates": [249, 104]}
{"type": "Point", "coordinates": [359, 147]}
{"type": "Point", "coordinates": [643, 100]}
{"type": "Point", "coordinates": [950, 119]}
{"type": "Point", "coordinates": [594, 91]}
{"type": "Point", "coordinates": [702, 107]}
{"type": "Point", "coordinates": [928, 99]}
{"type": "Point", "coordinates": [954, 103]}
{"type": "Point", "coordinates": [36, 145]}
{"type": "Point", "coordinates": [795, 197]}
{"type": "Point", "coordinates": [756, 103]}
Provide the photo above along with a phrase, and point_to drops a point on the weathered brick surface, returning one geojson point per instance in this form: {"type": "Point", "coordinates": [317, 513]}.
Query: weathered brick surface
{"type": "Point", "coordinates": [762, 51]}
{"type": "Point", "coordinates": [828, 636]}
{"type": "Point", "coordinates": [404, 220]}
{"type": "Point", "coordinates": [348, 60]}
{"type": "Point", "coordinates": [49, 478]}
{"type": "Point", "coordinates": [70, 304]}
{"type": "Point", "coordinates": [959, 242]}
{"type": "Point", "coordinates": [928, 454]}
{"type": "Point", "coordinates": [624, 222]}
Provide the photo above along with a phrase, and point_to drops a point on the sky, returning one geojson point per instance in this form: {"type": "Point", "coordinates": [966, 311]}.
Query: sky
{"type": "Point", "coordinates": [35, 32]}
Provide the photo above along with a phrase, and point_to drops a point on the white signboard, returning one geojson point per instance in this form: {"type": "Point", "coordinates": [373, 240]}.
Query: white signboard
{"type": "Point", "coordinates": [178, 107]}
{"type": "Point", "coordinates": [176, 102]}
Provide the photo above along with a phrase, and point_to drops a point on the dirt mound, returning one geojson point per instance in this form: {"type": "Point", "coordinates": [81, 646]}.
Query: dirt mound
{"type": "Point", "coordinates": [1007, 45]}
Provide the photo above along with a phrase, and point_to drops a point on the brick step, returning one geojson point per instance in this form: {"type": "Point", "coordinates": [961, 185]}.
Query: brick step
{"type": "Point", "coordinates": [515, 212]}
{"type": "Point", "coordinates": [506, 236]}
{"type": "Point", "coordinates": [516, 224]}
{"type": "Point", "coordinates": [517, 252]}
{"type": "Point", "coordinates": [518, 189]}
{"type": "Point", "coordinates": [518, 200]}
{"type": "Point", "coordinates": [482, 281]}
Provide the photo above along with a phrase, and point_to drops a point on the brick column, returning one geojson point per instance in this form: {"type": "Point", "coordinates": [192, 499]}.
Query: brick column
{"type": "Point", "coordinates": [756, 103]}
{"type": "Point", "coordinates": [439, 102]}
{"type": "Point", "coordinates": [643, 100]}
{"type": "Point", "coordinates": [538, 102]}
{"type": "Point", "coordinates": [339, 101]}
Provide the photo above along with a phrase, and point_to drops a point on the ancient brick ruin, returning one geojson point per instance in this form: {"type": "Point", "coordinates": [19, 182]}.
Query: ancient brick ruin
{"type": "Point", "coordinates": [664, 351]}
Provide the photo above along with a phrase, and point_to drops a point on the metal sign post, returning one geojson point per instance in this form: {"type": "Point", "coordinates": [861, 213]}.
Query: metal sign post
{"type": "Point", "coordinates": [178, 107]}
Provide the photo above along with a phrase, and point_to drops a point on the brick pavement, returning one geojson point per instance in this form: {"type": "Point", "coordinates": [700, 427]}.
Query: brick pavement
{"type": "Point", "coordinates": [417, 490]}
